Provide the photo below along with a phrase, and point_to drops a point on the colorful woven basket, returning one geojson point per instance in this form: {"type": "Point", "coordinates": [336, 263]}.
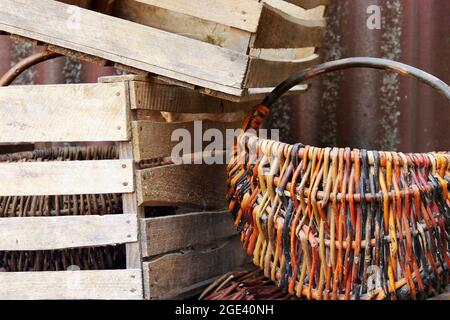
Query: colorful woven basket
{"type": "Point", "coordinates": [332, 223]}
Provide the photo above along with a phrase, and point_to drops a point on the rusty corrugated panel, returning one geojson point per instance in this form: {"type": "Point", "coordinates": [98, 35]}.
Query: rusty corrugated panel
{"type": "Point", "coordinates": [59, 70]}
{"type": "Point", "coordinates": [373, 109]}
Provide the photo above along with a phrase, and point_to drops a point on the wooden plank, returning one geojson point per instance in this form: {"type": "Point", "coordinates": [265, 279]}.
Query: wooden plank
{"type": "Point", "coordinates": [66, 177]}
{"type": "Point", "coordinates": [169, 233]}
{"type": "Point", "coordinates": [266, 73]}
{"type": "Point", "coordinates": [54, 113]}
{"type": "Point", "coordinates": [153, 140]}
{"type": "Point", "coordinates": [241, 14]}
{"type": "Point", "coordinates": [61, 285]}
{"type": "Point", "coordinates": [309, 4]}
{"type": "Point", "coordinates": [152, 95]}
{"type": "Point", "coordinates": [310, 13]}
{"type": "Point", "coordinates": [197, 185]}
{"type": "Point", "coordinates": [297, 32]}
{"type": "Point", "coordinates": [168, 276]}
{"type": "Point", "coordinates": [129, 203]}
{"type": "Point", "coordinates": [222, 70]}
{"type": "Point", "coordinates": [52, 233]}
{"type": "Point", "coordinates": [183, 24]}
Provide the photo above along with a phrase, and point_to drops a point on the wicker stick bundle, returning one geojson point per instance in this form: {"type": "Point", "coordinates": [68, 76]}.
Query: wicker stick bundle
{"type": "Point", "coordinates": [337, 223]}
{"type": "Point", "coordinates": [29, 206]}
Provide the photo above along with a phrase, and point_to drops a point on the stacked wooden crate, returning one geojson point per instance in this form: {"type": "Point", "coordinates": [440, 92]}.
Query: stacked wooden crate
{"type": "Point", "coordinates": [228, 48]}
{"type": "Point", "coordinates": [203, 60]}
{"type": "Point", "coordinates": [187, 237]}
{"type": "Point", "coordinates": [174, 224]}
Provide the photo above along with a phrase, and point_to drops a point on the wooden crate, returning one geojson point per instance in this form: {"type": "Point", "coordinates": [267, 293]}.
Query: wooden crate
{"type": "Point", "coordinates": [228, 48]}
{"type": "Point", "coordinates": [121, 110]}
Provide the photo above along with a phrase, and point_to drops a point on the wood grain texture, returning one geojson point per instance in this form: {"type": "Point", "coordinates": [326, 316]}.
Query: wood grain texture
{"type": "Point", "coordinates": [153, 15]}
{"type": "Point", "coordinates": [52, 233]}
{"type": "Point", "coordinates": [169, 275]}
{"type": "Point", "coordinates": [198, 185]}
{"type": "Point", "coordinates": [61, 285]}
{"type": "Point", "coordinates": [55, 113]}
{"type": "Point", "coordinates": [129, 204]}
{"type": "Point", "coordinates": [66, 177]}
{"type": "Point", "coordinates": [297, 32]}
{"type": "Point", "coordinates": [241, 14]}
{"type": "Point", "coordinates": [169, 233]}
{"type": "Point", "coordinates": [295, 11]}
{"type": "Point", "coordinates": [265, 73]}
{"type": "Point", "coordinates": [309, 4]}
{"type": "Point", "coordinates": [214, 68]}
{"type": "Point", "coordinates": [157, 96]}
{"type": "Point", "coordinates": [153, 140]}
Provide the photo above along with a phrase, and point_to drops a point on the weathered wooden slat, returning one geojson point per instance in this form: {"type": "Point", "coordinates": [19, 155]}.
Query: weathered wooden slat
{"type": "Point", "coordinates": [241, 14]}
{"type": "Point", "coordinates": [266, 73]}
{"type": "Point", "coordinates": [54, 113]}
{"type": "Point", "coordinates": [297, 32]}
{"type": "Point", "coordinates": [168, 276]}
{"type": "Point", "coordinates": [129, 204]}
{"type": "Point", "coordinates": [215, 68]}
{"type": "Point", "coordinates": [157, 96]}
{"type": "Point", "coordinates": [60, 285]}
{"type": "Point", "coordinates": [151, 14]}
{"type": "Point", "coordinates": [170, 233]}
{"type": "Point", "coordinates": [153, 140]}
{"type": "Point", "coordinates": [52, 233]}
{"type": "Point", "coordinates": [309, 4]}
{"type": "Point", "coordinates": [66, 177]}
{"type": "Point", "coordinates": [314, 12]}
{"type": "Point", "coordinates": [197, 185]}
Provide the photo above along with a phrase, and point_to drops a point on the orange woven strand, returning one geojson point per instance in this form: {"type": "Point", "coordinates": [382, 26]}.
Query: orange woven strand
{"type": "Point", "coordinates": [386, 238]}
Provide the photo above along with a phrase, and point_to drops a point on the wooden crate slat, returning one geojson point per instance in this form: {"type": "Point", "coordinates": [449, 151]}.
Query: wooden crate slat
{"type": "Point", "coordinates": [52, 233]}
{"type": "Point", "coordinates": [265, 73]}
{"type": "Point", "coordinates": [149, 13]}
{"type": "Point", "coordinates": [66, 177]}
{"type": "Point", "coordinates": [309, 4]}
{"type": "Point", "coordinates": [157, 96]}
{"type": "Point", "coordinates": [215, 67]}
{"type": "Point", "coordinates": [297, 32]}
{"type": "Point", "coordinates": [153, 140]}
{"type": "Point", "coordinates": [55, 113]}
{"type": "Point", "coordinates": [198, 185]}
{"type": "Point", "coordinates": [240, 14]}
{"type": "Point", "coordinates": [169, 275]}
{"type": "Point", "coordinates": [59, 285]}
{"type": "Point", "coordinates": [308, 12]}
{"type": "Point", "coordinates": [169, 233]}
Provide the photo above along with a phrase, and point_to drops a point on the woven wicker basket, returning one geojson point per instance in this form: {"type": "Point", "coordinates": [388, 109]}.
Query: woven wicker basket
{"type": "Point", "coordinates": [330, 223]}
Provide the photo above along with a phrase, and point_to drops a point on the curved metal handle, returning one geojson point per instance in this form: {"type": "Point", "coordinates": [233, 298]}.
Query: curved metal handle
{"type": "Point", "coordinates": [357, 62]}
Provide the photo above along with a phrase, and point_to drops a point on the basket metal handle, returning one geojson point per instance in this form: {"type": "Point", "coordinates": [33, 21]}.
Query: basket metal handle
{"type": "Point", "coordinates": [357, 62]}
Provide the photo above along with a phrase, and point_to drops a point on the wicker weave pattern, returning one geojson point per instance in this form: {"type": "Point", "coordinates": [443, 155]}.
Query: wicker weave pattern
{"type": "Point", "coordinates": [307, 225]}
{"type": "Point", "coordinates": [333, 223]}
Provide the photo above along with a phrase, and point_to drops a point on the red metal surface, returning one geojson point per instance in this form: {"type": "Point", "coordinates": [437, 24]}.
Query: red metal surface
{"type": "Point", "coordinates": [59, 70]}
{"type": "Point", "coordinates": [24, 64]}
{"type": "Point", "coordinates": [372, 109]}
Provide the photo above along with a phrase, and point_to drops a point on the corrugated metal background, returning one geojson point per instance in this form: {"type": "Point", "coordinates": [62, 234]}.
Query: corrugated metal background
{"type": "Point", "coordinates": [369, 108]}
{"type": "Point", "coordinates": [357, 108]}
